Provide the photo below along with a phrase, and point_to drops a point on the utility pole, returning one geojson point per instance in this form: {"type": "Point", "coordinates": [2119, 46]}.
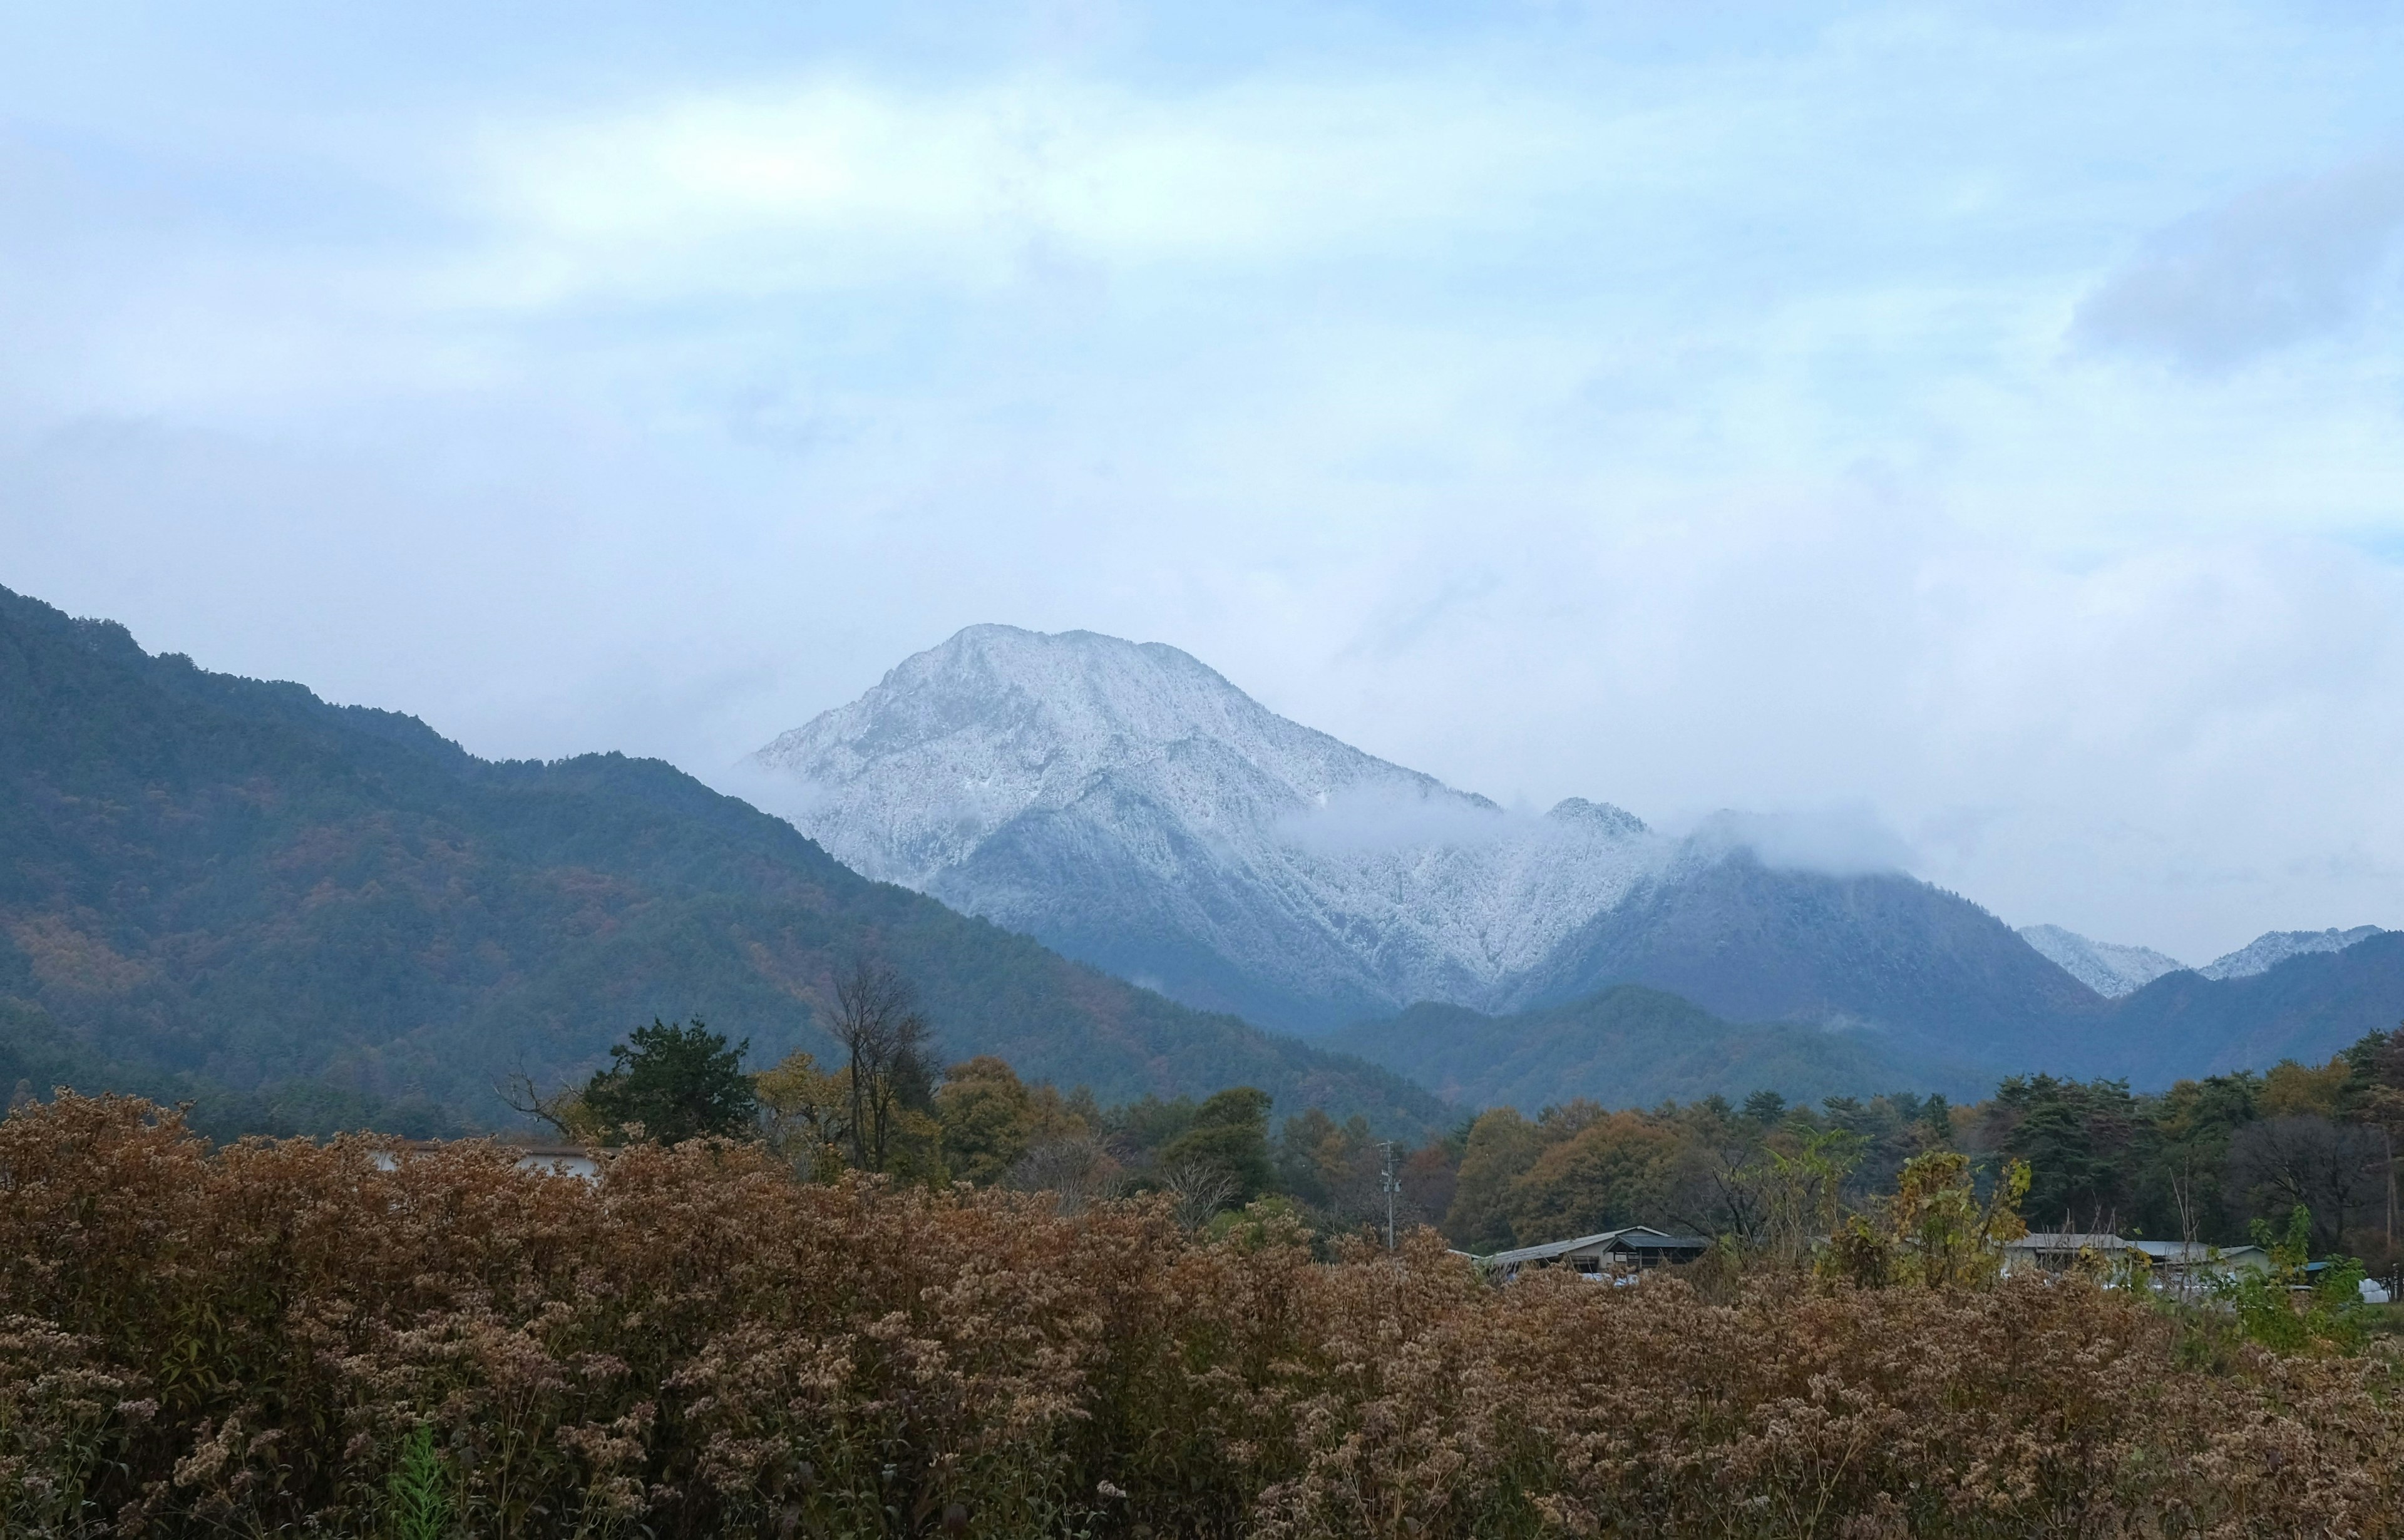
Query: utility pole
{"type": "Point", "coordinates": [1393, 1188]}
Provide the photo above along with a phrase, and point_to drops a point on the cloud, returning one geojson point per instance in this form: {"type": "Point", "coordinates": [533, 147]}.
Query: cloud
{"type": "Point", "coordinates": [1560, 400]}
{"type": "Point", "coordinates": [2281, 264]}
{"type": "Point", "coordinates": [1842, 841]}
{"type": "Point", "coordinates": [836, 182]}
{"type": "Point", "coordinates": [772, 791]}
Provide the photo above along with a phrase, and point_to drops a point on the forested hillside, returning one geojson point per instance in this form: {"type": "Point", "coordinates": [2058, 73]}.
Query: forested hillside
{"type": "Point", "coordinates": [1632, 1046]}
{"type": "Point", "coordinates": [2306, 1007]}
{"type": "Point", "coordinates": [302, 913]}
{"type": "Point", "coordinates": [1934, 975]}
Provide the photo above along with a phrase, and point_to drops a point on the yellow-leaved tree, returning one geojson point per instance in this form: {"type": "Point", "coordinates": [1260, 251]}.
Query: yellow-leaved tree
{"type": "Point", "coordinates": [1934, 1232]}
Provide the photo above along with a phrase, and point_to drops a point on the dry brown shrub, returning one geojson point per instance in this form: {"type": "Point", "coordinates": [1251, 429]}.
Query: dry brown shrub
{"type": "Point", "coordinates": [242, 1340]}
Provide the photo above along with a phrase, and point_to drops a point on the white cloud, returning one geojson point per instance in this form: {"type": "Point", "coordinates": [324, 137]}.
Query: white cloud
{"type": "Point", "coordinates": [834, 182]}
{"type": "Point", "coordinates": [1578, 403]}
{"type": "Point", "coordinates": [1840, 840]}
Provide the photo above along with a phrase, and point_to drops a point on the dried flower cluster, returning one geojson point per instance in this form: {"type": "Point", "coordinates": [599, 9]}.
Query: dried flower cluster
{"type": "Point", "coordinates": [260, 1338]}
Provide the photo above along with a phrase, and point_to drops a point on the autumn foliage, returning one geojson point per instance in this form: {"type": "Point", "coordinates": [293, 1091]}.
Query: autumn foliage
{"type": "Point", "coordinates": [290, 1338]}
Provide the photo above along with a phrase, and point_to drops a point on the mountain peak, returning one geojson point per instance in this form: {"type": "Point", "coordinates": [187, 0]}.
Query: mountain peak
{"type": "Point", "coordinates": [1129, 804]}
{"type": "Point", "coordinates": [998, 724]}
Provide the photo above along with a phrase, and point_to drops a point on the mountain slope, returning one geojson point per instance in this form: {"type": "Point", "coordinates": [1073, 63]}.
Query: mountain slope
{"type": "Point", "coordinates": [2108, 968]}
{"type": "Point", "coordinates": [214, 877]}
{"type": "Point", "coordinates": [1130, 808]}
{"type": "Point", "coordinates": [1632, 1046]}
{"type": "Point", "coordinates": [2306, 1007]}
{"type": "Point", "coordinates": [1936, 975]}
{"type": "Point", "coordinates": [2271, 948]}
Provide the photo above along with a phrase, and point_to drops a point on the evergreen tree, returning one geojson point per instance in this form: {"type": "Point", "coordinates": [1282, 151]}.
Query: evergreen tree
{"type": "Point", "coordinates": [675, 1083]}
{"type": "Point", "coordinates": [1230, 1133]}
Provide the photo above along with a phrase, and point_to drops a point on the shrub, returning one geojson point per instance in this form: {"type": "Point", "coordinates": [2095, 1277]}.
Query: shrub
{"type": "Point", "coordinates": [287, 1335]}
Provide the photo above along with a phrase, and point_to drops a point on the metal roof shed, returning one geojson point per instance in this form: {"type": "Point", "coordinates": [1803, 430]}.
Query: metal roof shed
{"type": "Point", "coordinates": [1637, 1246]}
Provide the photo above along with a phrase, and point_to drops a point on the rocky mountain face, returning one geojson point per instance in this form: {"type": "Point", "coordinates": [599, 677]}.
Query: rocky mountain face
{"type": "Point", "coordinates": [1127, 806]}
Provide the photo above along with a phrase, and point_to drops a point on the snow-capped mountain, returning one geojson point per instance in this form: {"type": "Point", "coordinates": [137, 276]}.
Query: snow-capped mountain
{"type": "Point", "coordinates": [1127, 806]}
{"type": "Point", "coordinates": [1131, 807]}
{"type": "Point", "coordinates": [2271, 948]}
{"type": "Point", "coordinates": [2108, 968]}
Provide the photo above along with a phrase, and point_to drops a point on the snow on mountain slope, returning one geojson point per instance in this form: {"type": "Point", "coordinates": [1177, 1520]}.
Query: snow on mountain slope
{"type": "Point", "coordinates": [2271, 948]}
{"type": "Point", "coordinates": [1128, 805]}
{"type": "Point", "coordinates": [2108, 968]}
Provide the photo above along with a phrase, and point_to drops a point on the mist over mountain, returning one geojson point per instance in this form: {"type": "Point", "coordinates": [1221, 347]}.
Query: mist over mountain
{"type": "Point", "coordinates": [310, 916]}
{"type": "Point", "coordinates": [1129, 806]}
{"type": "Point", "coordinates": [321, 915]}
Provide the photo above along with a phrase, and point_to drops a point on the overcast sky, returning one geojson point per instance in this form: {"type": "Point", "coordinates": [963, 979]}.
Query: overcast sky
{"type": "Point", "coordinates": [1979, 425]}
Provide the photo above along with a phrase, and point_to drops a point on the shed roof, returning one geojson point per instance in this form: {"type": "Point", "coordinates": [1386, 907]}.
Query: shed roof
{"type": "Point", "coordinates": [1632, 1238]}
{"type": "Point", "coordinates": [2193, 1250]}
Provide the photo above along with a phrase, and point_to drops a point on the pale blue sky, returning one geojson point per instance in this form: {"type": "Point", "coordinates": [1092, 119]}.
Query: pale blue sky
{"type": "Point", "coordinates": [1982, 421]}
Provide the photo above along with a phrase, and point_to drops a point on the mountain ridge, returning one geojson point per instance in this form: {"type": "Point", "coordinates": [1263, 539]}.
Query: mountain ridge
{"type": "Point", "coordinates": [231, 883]}
{"type": "Point", "coordinates": [1628, 1045]}
{"type": "Point", "coordinates": [1131, 807]}
{"type": "Point", "coordinates": [2110, 968]}
{"type": "Point", "coordinates": [1015, 774]}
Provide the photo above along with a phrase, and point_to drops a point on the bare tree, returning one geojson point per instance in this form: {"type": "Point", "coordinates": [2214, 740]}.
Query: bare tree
{"type": "Point", "coordinates": [1078, 1170]}
{"type": "Point", "coordinates": [878, 1024]}
{"type": "Point", "coordinates": [1198, 1189]}
{"type": "Point", "coordinates": [2335, 1170]}
{"type": "Point", "coordinates": [564, 1109]}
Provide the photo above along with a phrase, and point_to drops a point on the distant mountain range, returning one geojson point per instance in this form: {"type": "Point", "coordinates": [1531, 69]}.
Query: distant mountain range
{"type": "Point", "coordinates": [1129, 806]}
{"type": "Point", "coordinates": [307, 916]}
{"type": "Point", "coordinates": [310, 916]}
{"type": "Point", "coordinates": [2306, 1006]}
{"type": "Point", "coordinates": [2113, 970]}
{"type": "Point", "coordinates": [1632, 1046]}
{"type": "Point", "coordinates": [2109, 969]}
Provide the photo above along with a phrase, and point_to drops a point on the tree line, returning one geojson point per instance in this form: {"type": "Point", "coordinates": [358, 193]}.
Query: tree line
{"type": "Point", "coordinates": [2205, 1160]}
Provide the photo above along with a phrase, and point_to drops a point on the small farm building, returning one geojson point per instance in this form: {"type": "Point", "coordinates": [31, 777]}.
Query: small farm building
{"type": "Point", "coordinates": [1633, 1248]}
{"type": "Point", "coordinates": [2170, 1262]}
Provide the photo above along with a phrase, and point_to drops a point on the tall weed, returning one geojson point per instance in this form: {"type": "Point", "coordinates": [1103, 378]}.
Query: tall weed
{"type": "Point", "coordinates": [292, 1338]}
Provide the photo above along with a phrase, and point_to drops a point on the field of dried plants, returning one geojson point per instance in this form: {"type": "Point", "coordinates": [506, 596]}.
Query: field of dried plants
{"type": "Point", "coordinates": [288, 1338]}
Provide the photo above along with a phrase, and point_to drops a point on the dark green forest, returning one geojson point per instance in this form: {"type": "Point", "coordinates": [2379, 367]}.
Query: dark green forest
{"type": "Point", "coordinates": [304, 916]}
